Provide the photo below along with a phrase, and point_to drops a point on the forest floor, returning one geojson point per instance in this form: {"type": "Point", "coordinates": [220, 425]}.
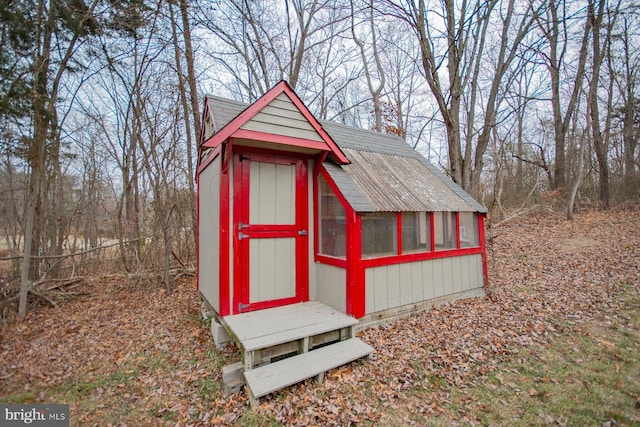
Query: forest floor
{"type": "Point", "coordinates": [555, 342]}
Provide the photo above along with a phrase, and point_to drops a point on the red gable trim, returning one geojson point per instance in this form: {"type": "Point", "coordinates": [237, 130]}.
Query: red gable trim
{"type": "Point", "coordinates": [280, 139]}
{"type": "Point", "coordinates": [234, 125]}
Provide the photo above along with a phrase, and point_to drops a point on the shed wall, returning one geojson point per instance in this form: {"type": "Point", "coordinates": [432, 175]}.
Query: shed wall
{"type": "Point", "coordinates": [331, 285]}
{"type": "Point", "coordinates": [209, 234]}
{"type": "Point", "coordinates": [392, 286]}
{"type": "Point", "coordinates": [282, 117]}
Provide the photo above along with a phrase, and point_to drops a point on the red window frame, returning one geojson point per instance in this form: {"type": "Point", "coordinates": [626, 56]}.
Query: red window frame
{"type": "Point", "coordinates": [426, 255]}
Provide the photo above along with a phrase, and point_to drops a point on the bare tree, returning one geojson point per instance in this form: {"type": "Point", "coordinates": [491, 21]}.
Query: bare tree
{"type": "Point", "coordinates": [596, 13]}
{"type": "Point", "coordinates": [554, 26]}
{"type": "Point", "coordinates": [374, 89]}
{"type": "Point", "coordinates": [44, 105]}
{"type": "Point", "coordinates": [461, 48]}
{"type": "Point", "coordinates": [270, 43]}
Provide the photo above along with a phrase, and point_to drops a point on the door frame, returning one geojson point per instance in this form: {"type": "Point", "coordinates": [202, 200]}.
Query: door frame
{"type": "Point", "coordinates": [299, 230]}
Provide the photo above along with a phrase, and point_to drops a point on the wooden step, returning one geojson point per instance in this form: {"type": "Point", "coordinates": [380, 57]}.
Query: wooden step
{"type": "Point", "coordinates": [270, 327]}
{"type": "Point", "coordinates": [275, 376]}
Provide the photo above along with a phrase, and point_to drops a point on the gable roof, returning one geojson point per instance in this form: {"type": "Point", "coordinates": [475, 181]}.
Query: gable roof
{"type": "Point", "coordinates": [384, 174]}
{"type": "Point", "coordinates": [279, 116]}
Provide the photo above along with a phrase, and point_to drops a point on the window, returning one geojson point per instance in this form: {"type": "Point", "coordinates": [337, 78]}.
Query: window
{"type": "Point", "coordinates": [332, 226]}
{"type": "Point", "coordinates": [444, 230]}
{"type": "Point", "coordinates": [468, 230]}
{"type": "Point", "coordinates": [379, 231]}
{"type": "Point", "coordinates": [416, 232]}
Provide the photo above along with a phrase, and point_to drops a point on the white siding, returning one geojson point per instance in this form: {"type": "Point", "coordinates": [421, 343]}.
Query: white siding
{"type": "Point", "coordinates": [209, 234]}
{"type": "Point", "coordinates": [282, 117]}
{"type": "Point", "coordinates": [331, 286]}
{"type": "Point", "coordinates": [410, 283]}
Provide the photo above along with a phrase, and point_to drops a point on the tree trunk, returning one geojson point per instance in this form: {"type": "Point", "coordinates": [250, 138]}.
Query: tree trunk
{"type": "Point", "coordinates": [38, 148]}
{"type": "Point", "coordinates": [598, 140]}
{"type": "Point", "coordinates": [185, 108]}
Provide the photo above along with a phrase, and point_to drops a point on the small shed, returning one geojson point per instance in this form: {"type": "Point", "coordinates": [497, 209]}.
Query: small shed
{"type": "Point", "coordinates": [294, 209]}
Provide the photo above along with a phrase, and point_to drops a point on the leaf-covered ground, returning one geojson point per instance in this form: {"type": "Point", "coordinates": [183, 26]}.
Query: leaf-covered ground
{"type": "Point", "coordinates": [127, 354]}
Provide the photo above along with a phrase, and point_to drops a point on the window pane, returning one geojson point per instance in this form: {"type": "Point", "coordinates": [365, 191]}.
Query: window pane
{"type": "Point", "coordinates": [444, 229]}
{"type": "Point", "coordinates": [415, 232]}
{"type": "Point", "coordinates": [332, 225]}
{"type": "Point", "coordinates": [468, 230]}
{"type": "Point", "coordinates": [379, 234]}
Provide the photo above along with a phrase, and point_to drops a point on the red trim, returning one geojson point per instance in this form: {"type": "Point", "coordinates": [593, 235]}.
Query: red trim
{"type": "Point", "coordinates": [267, 154]}
{"type": "Point", "coordinates": [237, 219]}
{"type": "Point", "coordinates": [316, 215]}
{"type": "Point", "coordinates": [210, 158]}
{"type": "Point", "coordinates": [355, 298]}
{"type": "Point", "coordinates": [432, 230]}
{"type": "Point", "coordinates": [458, 230]}
{"type": "Point", "coordinates": [483, 247]}
{"type": "Point", "coordinates": [232, 127]}
{"type": "Point", "coordinates": [198, 230]}
{"type": "Point", "coordinates": [336, 262]}
{"type": "Point", "coordinates": [270, 304]}
{"type": "Point", "coordinates": [318, 163]}
{"type": "Point", "coordinates": [281, 139]}
{"type": "Point", "coordinates": [302, 239]}
{"type": "Point", "coordinates": [421, 256]}
{"type": "Point", "coordinates": [225, 212]}
{"type": "Point", "coordinates": [399, 232]}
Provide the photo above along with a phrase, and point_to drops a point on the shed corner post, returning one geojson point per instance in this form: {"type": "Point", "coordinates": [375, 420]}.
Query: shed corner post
{"type": "Point", "coordinates": [483, 247]}
{"type": "Point", "coordinates": [356, 289]}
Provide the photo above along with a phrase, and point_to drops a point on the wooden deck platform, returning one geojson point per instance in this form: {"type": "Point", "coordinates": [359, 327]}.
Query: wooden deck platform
{"type": "Point", "coordinates": [285, 345]}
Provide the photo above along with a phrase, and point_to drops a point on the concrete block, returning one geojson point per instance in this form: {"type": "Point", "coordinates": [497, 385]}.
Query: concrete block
{"type": "Point", "coordinates": [207, 313]}
{"type": "Point", "coordinates": [220, 335]}
{"type": "Point", "coordinates": [232, 378]}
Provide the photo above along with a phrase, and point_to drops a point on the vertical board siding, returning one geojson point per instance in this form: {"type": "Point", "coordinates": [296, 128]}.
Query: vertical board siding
{"type": "Point", "coordinates": [428, 284]}
{"type": "Point", "coordinates": [406, 284]}
{"type": "Point", "coordinates": [209, 234]}
{"type": "Point", "coordinates": [271, 272]}
{"type": "Point", "coordinates": [438, 278]}
{"type": "Point", "coordinates": [396, 285]}
{"type": "Point", "coordinates": [331, 286]}
{"type": "Point", "coordinates": [417, 292]}
{"type": "Point", "coordinates": [272, 193]}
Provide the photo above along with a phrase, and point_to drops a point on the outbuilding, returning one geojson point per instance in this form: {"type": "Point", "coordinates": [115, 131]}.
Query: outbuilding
{"type": "Point", "coordinates": [294, 209]}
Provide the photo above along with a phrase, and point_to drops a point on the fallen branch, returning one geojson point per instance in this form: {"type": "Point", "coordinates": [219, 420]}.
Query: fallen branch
{"type": "Point", "coordinates": [186, 273]}
{"type": "Point", "coordinates": [35, 294]}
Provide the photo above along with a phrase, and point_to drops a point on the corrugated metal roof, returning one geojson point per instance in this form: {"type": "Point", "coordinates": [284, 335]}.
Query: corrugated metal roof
{"type": "Point", "coordinates": [392, 183]}
{"type": "Point", "coordinates": [385, 173]}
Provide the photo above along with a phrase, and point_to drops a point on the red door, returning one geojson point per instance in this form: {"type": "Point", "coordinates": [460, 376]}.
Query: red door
{"type": "Point", "coordinates": [270, 231]}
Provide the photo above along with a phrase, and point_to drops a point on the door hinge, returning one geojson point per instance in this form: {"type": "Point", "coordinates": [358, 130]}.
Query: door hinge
{"type": "Point", "coordinates": [302, 233]}
{"type": "Point", "coordinates": [242, 306]}
{"type": "Point", "coordinates": [242, 225]}
{"type": "Point", "coordinates": [242, 235]}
